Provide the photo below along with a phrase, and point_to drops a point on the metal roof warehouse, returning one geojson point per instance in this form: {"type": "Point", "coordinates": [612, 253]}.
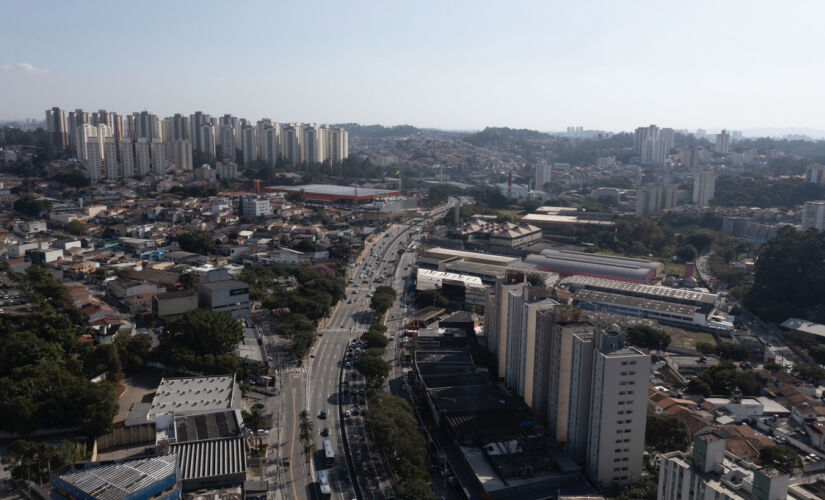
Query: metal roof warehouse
{"type": "Point", "coordinates": [330, 193]}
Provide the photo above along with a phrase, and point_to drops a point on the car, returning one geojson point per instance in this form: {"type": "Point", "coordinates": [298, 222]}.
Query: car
{"type": "Point", "coordinates": [323, 414]}
{"type": "Point", "coordinates": [285, 462]}
{"type": "Point", "coordinates": [356, 411]}
{"type": "Point", "coordinates": [348, 364]}
{"type": "Point", "coordinates": [347, 414]}
{"type": "Point", "coordinates": [259, 406]}
{"type": "Point", "coordinates": [325, 431]}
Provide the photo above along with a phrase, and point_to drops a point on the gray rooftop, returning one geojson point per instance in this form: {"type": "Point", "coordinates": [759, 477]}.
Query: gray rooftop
{"type": "Point", "coordinates": [215, 457]}
{"type": "Point", "coordinates": [655, 292]}
{"type": "Point", "coordinates": [635, 302]}
{"type": "Point", "coordinates": [115, 481]}
{"type": "Point", "coordinates": [216, 425]}
{"type": "Point", "coordinates": [331, 189]}
{"type": "Point", "coordinates": [192, 395]}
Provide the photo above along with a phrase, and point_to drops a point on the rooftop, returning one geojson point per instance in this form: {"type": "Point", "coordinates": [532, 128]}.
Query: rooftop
{"type": "Point", "coordinates": [215, 425]}
{"type": "Point", "coordinates": [215, 457]}
{"type": "Point", "coordinates": [193, 395]}
{"type": "Point", "coordinates": [445, 253]}
{"type": "Point", "coordinates": [805, 326]}
{"type": "Point", "coordinates": [119, 480]}
{"type": "Point", "coordinates": [664, 292]}
{"type": "Point", "coordinates": [635, 302]}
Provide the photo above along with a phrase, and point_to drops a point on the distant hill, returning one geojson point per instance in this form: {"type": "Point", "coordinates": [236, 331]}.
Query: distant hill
{"type": "Point", "coordinates": [497, 137]}
{"type": "Point", "coordinates": [356, 130]}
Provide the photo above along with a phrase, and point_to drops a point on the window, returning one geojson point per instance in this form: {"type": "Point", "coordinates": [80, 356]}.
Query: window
{"type": "Point", "coordinates": [629, 412]}
{"type": "Point", "coordinates": [631, 373]}
{"type": "Point", "coordinates": [632, 362]}
{"type": "Point", "coordinates": [624, 363]}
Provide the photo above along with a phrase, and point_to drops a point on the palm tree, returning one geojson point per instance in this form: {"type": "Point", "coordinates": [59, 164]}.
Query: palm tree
{"type": "Point", "coordinates": [255, 419]}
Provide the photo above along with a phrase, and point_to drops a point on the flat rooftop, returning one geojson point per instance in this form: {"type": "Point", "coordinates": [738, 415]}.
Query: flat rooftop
{"type": "Point", "coordinates": [191, 395]}
{"type": "Point", "coordinates": [472, 399]}
{"type": "Point", "coordinates": [804, 326]}
{"type": "Point", "coordinates": [446, 253]}
{"type": "Point", "coordinates": [207, 426]}
{"type": "Point", "coordinates": [658, 306]}
{"type": "Point", "coordinates": [115, 481]}
{"type": "Point", "coordinates": [663, 292]}
{"type": "Point", "coordinates": [333, 190]}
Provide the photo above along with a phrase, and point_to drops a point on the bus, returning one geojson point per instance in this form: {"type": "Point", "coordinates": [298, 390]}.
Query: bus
{"type": "Point", "coordinates": [323, 484]}
{"type": "Point", "coordinates": [329, 453]}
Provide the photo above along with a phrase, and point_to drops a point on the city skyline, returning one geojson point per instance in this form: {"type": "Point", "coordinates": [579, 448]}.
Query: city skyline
{"type": "Point", "coordinates": [545, 67]}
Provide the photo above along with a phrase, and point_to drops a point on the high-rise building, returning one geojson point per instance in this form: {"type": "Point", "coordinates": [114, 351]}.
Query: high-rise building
{"type": "Point", "coordinates": [57, 127]}
{"type": "Point", "coordinates": [707, 473]}
{"type": "Point", "coordinates": [497, 309]}
{"type": "Point", "coordinates": [813, 215]}
{"type": "Point", "coordinates": [314, 145]}
{"type": "Point", "coordinates": [145, 125]}
{"type": "Point", "coordinates": [292, 144]}
{"type": "Point", "coordinates": [338, 144]}
{"type": "Point", "coordinates": [618, 411]}
{"type": "Point", "coordinates": [159, 158]}
{"type": "Point", "coordinates": [82, 135]}
{"type": "Point", "coordinates": [179, 127]}
{"type": "Point", "coordinates": [544, 172]}
{"type": "Point", "coordinates": [196, 121]}
{"type": "Point", "coordinates": [126, 150]}
{"type": "Point", "coordinates": [722, 142]}
{"type": "Point", "coordinates": [110, 152]}
{"type": "Point", "coordinates": [207, 139]}
{"type": "Point", "coordinates": [271, 144]}
{"type": "Point", "coordinates": [227, 170]}
{"type": "Point", "coordinates": [690, 156]}
{"type": "Point", "coordinates": [181, 154]}
{"type": "Point", "coordinates": [528, 337]}
{"type": "Point", "coordinates": [227, 142]}
{"type": "Point", "coordinates": [250, 144]}
{"type": "Point", "coordinates": [143, 157]}
{"type": "Point", "coordinates": [653, 144]}
{"type": "Point", "coordinates": [560, 375]}
{"type": "Point", "coordinates": [815, 174]}
{"type": "Point", "coordinates": [252, 206]}
{"type": "Point", "coordinates": [653, 197]}
{"type": "Point", "coordinates": [704, 187]}
{"type": "Point", "coordinates": [581, 379]}
{"type": "Point", "coordinates": [94, 160]}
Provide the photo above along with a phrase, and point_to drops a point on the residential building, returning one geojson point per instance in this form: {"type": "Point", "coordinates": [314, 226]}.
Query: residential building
{"type": "Point", "coordinates": [57, 127]}
{"type": "Point", "coordinates": [143, 157]}
{"type": "Point", "coordinates": [500, 303]}
{"type": "Point", "coordinates": [338, 144]}
{"type": "Point", "coordinates": [543, 174]}
{"type": "Point", "coordinates": [159, 160]}
{"type": "Point", "coordinates": [252, 206]}
{"type": "Point", "coordinates": [181, 154]}
{"type": "Point", "coordinates": [723, 142]}
{"type": "Point", "coordinates": [654, 197]}
{"type": "Point", "coordinates": [815, 174]}
{"type": "Point", "coordinates": [145, 125]}
{"type": "Point", "coordinates": [174, 303]}
{"type": "Point", "coordinates": [270, 142]}
{"type": "Point", "coordinates": [126, 148]}
{"type": "Point", "coordinates": [250, 144]}
{"type": "Point", "coordinates": [704, 187]}
{"type": "Point", "coordinates": [653, 144]}
{"type": "Point", "coordinates": [813, 215]}
{"type": "Point", "coordinates": [227, 170]}
{"type": "Point", "coordinates": [94, 161]}
{"type": "Point", "coordinates": [292, 144]}
{"type": "Point", "coordinates": [110, 151]}
{"type": "Point", "coordinates": [707, 473]}
{"type": "Point", "coordinates": [197, 122]}
{"type": "Point", "coordinates": [581, 380]}
{"type": "Point", "coordinates": [179, 129]}
{"type": "Point", "coordinates": [618, 411]}
{"type": "Point", "coordinates": [225, 295]}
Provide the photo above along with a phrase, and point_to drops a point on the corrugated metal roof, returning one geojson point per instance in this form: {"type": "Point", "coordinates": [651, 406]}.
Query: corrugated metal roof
{"type": "Point", "coordinates": [217, 457]}
{"type": "Point", "coordinates": [119, 480]}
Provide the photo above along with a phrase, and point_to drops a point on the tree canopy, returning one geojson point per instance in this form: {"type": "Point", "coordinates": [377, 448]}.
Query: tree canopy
{"type": "Point", "coordinates": [197, 242]}
{"type": "Point", "coordinates": [780, 457]}
{"type": "Point", "coordinates": [648, 337]}
{"type": "Point", "coordinates": [723, 379]}
{"type": "Point", "coordinates": [665, 434]}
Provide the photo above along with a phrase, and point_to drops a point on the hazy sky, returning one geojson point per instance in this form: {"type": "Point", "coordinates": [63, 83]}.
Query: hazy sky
{"type": "Point", "coordinates": [610, 65]}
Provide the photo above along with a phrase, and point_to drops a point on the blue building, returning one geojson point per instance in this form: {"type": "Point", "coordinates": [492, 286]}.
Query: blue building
{"type": "Point", "coordinates": [152, 477]}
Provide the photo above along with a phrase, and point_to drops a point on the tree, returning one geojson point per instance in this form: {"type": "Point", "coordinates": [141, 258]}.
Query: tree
{"type": "Point", "coordinates": [382, 299]}
{"type": "Point", "coordinates": [133, 351]}
{"type": "Point", "coordinates": [665, 434]}
{"type": "Point", "coordinates": [188, 280]}
{"type": "Point", "coordinates": [305, 426]}
{"type": "Point", "coordinates": [733, 352]}
{"type": "Point", "coordinates": [432, 298]}
{"type": "Point", "coordinates": [534, 279]}
{"type": "Point", "coordinates": [373, 367]}
{"type": "Point", "coordinates": [647, 337]}
{"type": "Point", "coordinates": [27, 460]}
{"type": "Point", "coordinates": [809, 372]}
{"type": "Point", "coordinates": [699, 386]}
{"type": "Point", "coordinates": [30, 206]}
{"type": "Point", "coordinates": [255, 419]}
{"type": "Point", "coordinates": [197, 242]}
{"type": "Point", "coordinates": [374, 339]}
{"type": "Point", "coordinates": [205, 331]}
{"type": "Point", "coordinates": [77, 227]}
{"type": "Point", "coordinates": [780, 457]}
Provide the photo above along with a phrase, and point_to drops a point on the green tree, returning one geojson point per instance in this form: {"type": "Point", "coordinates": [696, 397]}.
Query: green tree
{"type": "Point", "coordinates": [647, 337]}
{"type": "Point", "coordinates": [432, 298]}
{"type": "Point", "coordinates": [205, 331]}
{"type": "Point", "coordinates": [27, 460]}
{"type": "Point", "coordinates": [255, 419]}
{"type": "Point", "coordinates": [77, 227]}
{"type": "Point", "coordinates": [133, 351]}
{"type": "Point", "coordinates": [188, 280]}
{"type": "Point", "coordinates": [30, 206]}
{"type": "Point", "coordinates": [373, 368]}
{"type": "Point", "coordinates": [699, 386]}
{"type": "Point", "coordinates": [374, 339]}
{"type": "Point", "coordinates": [382, 299]}
{"type": "Point", "coordinates": [665, 434]}
{"type": "Point", "coordinates": [809, 372]}
{"type": "Point", "coordinates": [780, 457]}
{"type": "Point", "coordinates": [197, 242]}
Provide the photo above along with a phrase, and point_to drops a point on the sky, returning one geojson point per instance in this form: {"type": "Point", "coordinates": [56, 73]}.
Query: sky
{"type": "Point", "coordinates": [458, 65]}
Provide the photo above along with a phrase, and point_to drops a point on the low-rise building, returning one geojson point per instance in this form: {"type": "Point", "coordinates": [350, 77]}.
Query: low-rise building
{"type": "Point", "coordinates": [174, 303]}
{"type": "Point", "coordinates": [154, 478]}
{"type": "Point", "coordinates": [226, 296]}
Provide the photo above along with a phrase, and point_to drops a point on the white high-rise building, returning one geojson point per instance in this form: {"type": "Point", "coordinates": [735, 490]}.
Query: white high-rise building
{"type": "Point", "coordinates": [815, 174]}
{"type": "Point", "coordinates": [722, 142]}
{"type": "Point", "coordinates": [704, 187]}
{"type": "Point", "coordinates": [143, 157]}
{"type": "Point", "coordinates": [706, 473]}
{"type": "Point", "coordinates": [544, 172]}
{"type": "Point", "coordinates": [618, 412]}
{"type": "Point", "coordinates": [179, 128]}
{"type": "Point", "coordinates": [196, 121]}
{"type": "Point", "coordinates": [126, 148]}
{"type": "Point", "coordinates": [82, 135]}
{"type": "Point", "coordinates": [497, 321]}
{"type": "Point", "coordinates": [159, 158]}
{"type": "Point", "coordinates": [653, 144]}
{"type": "Point", "coordinates": [653, 197]}
{"type": "Point", "coordinates": [581, 379]}
{"type": "Point", "coordinates": [110, 151]}
{"type": "Point", "coordinates": [292, 144]}
{"type": "Point", "coordinates": [338, 144]}
{"type": "Point", "coordinates": [228, 143]}
{"type": "Point", "coordinates": [207, 139]}
{"type": "Point", "coordinates": [813, 215]}
{"type": "Point", "coordinates": [271, 145]}
{"type": "Point", "coordinates": [181, 154]}
{"type": "Point", "coordinates": [250, 144]}
{"type": "Point", "coordinates": [145, 125]}
{"type": "Point", "coordinates": [560, 375]}
{"type": "Point", "coordinates": [313, 143]}
{"type": "Point", "coordinates": [94, 161]}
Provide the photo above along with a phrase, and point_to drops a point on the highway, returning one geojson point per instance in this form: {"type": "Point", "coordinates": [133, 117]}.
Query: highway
{"type": "Point", "coordinates": [314, 384]}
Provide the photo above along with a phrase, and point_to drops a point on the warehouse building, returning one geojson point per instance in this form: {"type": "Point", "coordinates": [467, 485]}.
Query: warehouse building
{"type": "Point", "coordinates": [568, 263]}
{"type": "Point", "coordinates": [174, 303]}
{"type": "Point", "coordinates": [153, 478]}
{"type": "Point", "coordinates": [330, 194]}
{"type": "Point", "coordinates": [706, 302]}
{"type": "Point", "coordinates": [668, 312]}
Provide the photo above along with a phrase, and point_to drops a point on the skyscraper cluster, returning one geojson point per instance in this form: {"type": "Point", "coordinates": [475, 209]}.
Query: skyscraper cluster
{"type": "Point", "coordinates": [584, 383]}
{"type": "Point", "coordinates": [142, 144]}
{"type": "Point", "coordinates": [653, 144]}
